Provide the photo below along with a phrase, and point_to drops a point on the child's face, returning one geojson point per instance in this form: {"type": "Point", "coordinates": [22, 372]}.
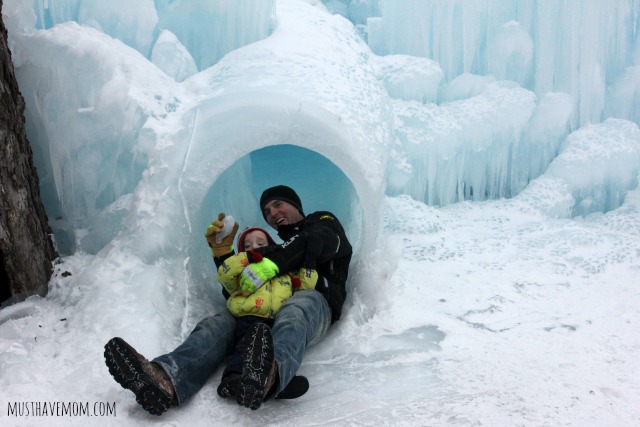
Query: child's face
{"type": "Point", "coordinates": [255, 239]}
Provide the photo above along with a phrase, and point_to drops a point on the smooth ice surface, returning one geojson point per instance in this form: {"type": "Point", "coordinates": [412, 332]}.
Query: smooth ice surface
{"type": "Point", "coordinates": [483, 156]}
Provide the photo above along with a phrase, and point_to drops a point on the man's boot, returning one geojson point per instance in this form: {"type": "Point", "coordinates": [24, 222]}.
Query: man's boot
{"type": "Point", "coordinates": [147, 380]}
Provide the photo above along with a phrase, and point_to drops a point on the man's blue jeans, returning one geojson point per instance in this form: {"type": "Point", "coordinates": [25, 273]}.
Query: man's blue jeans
{"type": "Point", "coordinates": [191, 364]}
{"type": "Point", "coordinates": [302, 321]}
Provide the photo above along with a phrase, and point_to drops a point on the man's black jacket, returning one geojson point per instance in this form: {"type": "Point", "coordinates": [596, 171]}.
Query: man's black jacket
{"type": "Point", "coordinates": [318, 242]}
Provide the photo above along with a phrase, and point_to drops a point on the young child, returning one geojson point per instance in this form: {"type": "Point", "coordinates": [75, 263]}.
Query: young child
{"type": "Point", "coordinates": [251, 306]}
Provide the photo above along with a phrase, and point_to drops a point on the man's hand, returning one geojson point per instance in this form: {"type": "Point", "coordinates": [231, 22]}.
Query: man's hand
{"type": "Point", "coordinates": [224, 246]}
{"type": "Point", "coordinates": [254, 275]}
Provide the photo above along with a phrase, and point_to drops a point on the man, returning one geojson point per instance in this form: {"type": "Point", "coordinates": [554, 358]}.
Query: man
{"type": "Point", "coordinates": [316, 241]}
{"type": "Point", "coordinates": [271, 357]}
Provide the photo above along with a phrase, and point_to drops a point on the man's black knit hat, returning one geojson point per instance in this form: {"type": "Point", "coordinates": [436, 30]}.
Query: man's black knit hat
{"type": "Point", "coordinates": [280, 192]}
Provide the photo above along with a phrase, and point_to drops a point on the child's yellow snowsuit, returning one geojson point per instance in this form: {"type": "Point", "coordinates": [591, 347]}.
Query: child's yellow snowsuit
{"type": "Point", "coordinates": [267, 299]}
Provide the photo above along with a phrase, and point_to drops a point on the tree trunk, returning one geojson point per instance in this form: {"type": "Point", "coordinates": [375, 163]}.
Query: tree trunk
{"type": "Point", "coordinates": [26, 248]}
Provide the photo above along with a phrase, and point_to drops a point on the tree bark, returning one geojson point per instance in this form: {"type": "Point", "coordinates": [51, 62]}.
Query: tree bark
{"type": "Point", "coordinates": [26, 247]}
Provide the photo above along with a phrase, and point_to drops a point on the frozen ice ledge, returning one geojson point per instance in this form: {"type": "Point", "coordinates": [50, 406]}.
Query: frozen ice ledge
{"type": "Point", "coordinates": [123, 149]}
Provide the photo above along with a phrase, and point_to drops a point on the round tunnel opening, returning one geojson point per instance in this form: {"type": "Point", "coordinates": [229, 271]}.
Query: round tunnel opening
{"type": "Point", "coordinates": [320, 183]}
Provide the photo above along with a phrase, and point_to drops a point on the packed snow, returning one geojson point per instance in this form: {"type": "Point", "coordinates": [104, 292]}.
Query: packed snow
{"type": "Point", "coordinates": [483, 156]}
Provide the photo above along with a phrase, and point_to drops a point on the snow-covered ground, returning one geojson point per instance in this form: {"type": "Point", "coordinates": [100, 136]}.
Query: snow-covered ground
{"type": "Point", "coordinates": [474, 314]}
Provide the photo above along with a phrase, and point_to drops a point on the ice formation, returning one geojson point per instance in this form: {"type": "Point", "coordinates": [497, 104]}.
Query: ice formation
{"type": "Point", "coordinates": [148, 118]}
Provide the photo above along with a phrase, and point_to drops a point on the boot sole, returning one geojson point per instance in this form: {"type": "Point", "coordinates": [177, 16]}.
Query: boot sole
{"type": "Point", "coordinates": [125, 367]}
{"type": "Point", "coordinates": [257, 361]}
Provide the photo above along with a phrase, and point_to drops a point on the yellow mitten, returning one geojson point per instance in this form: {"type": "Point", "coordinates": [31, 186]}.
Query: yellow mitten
{"type": "Point", "coordinates": [220, 235]}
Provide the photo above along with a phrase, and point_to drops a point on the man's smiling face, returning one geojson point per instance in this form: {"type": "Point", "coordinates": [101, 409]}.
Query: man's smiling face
{"type": "Point", "coordinates": [278, 212]}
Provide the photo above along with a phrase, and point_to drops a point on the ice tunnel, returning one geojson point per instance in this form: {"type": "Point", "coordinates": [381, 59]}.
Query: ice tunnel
{"type": "Point", "coordinates": [271, 112]}
{"type": "Point", "coordinates": [319, 127]}
{"type": "Point", "coordinates": [282, 140]}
